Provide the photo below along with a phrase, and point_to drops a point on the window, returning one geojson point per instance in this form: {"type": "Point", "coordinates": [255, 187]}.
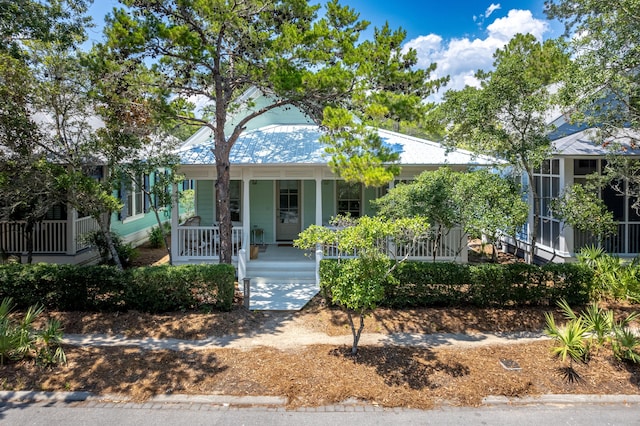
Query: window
{"type": "Point", "coordinates": [349, 198]}
{"type": "Point", "coordinates": [133, 197]}
{"type": "Point", "coordinates": [547, 183]}
{"type": "Point", "coordinates": [234, 200]}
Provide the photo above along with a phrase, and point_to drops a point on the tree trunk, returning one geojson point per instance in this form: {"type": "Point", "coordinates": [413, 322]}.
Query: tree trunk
{"type": "Point", "coordinates": [106, 233]}
{"type": "Point", "coordinates": [356, 333]}
{"type": "Point", "coordinates": [223, 211]}
{"type": "Point", "coordinates": [165, 237]}
{"type": "Point", "coordinates": [28, 233]}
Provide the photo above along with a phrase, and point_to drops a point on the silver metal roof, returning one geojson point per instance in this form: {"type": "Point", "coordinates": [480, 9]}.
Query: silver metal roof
{"type": "Point", "coordinates": [586, 143]}
{"type": "Point", "coordinates": [299, 144]}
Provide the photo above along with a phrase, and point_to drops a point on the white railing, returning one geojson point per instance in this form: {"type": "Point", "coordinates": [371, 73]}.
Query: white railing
{"type": "Point", "coordinates": [84, 226]}
{"type": "Point", "coordinates": [451, 247]}
{"type": "Point", "coordinates": [204, 242]}
{"type": "Point", "coordinates": [48, 237]}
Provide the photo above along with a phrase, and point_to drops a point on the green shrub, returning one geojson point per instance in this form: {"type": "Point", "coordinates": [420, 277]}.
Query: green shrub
{"type": "Point", "coordinates": [105, 288]}
{"type": "Point", "coordinates": [615, 278]}
{"type": "Point", "coordinates": [126, 251]}
{"type": "Point", "coordinates": [170, 288]}
{"type": "Point", "coordinates": [157, 233]}
{"type": "Point", "coordinates": [418, 284]}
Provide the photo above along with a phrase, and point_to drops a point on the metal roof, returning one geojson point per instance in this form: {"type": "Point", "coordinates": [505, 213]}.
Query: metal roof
{"type": "Point", "coordinates": [586, 143]}
{"type": "Point", "coordinates": [299, 144]}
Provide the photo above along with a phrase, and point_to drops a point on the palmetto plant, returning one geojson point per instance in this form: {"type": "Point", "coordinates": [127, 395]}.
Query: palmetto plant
{"type": "Point", "coordinates": [570, 339]}
{"type": "Point", "coordinates": [19, 339]}
{"type": "Point", "coordinates": [593, 325]}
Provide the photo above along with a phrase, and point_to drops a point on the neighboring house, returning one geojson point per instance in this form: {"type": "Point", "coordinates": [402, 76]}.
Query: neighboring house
{"type": "Point", "coordinates": [61, 236]}
{"type": "Point", "coordinates": [281, 184]}
{"type": "Point", "coordinates": [576, 154]}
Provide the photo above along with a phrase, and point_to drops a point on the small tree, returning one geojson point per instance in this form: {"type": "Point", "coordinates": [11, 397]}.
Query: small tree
{"type": "Point", "coordinates": [580, 207]}
{"type": "Point", "coordinates": [366, 261]}
{"type": "Point", "coordinates": [506, 116]}
{"type": "Point", "coordinates": [480, 202]}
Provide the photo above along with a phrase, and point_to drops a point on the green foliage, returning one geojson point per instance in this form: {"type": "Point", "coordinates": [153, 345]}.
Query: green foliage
{"type": "Point", "coordinates": [599, 89]}
{"type": "Point", "coordinates": [156, 235]}
{"type": "Point", "coordinates": [419, 284]}
{"type": "Point", "coordinates": [614, 278]}
{"type": "Point", "coordinates": [506, 117]}
{"type": "Point", "coordinates": [170, 288]}
{"type": "Point", "coordinates": [105, 288]}
{"type": "Point", "coordinates": [593, 327]}
{"type": "Point", "coordinates": [570, 339]}
{"type": "Point", "coordinates": [19, 339]}
{"type": "Point", "coordinates": [584, 210]}
{"type": "Point", "coordinates": [126, 251]}
{"type": "Point", "coordinates": [357, 283]}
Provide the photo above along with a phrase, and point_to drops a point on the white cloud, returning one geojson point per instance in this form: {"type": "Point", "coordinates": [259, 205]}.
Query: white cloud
{"type": "Point", "coordinates": [491, 9]}
{"type": "Point", "coordinates": [460, 58]}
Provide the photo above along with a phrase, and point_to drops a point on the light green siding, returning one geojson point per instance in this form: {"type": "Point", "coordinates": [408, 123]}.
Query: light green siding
{"type": "Point", "coordinates": [309, 207]}
{"type": "Point", "coordinates": [369, 194]}
{"type": "Point", "coordinates": [205, 205]}
{"type": "Point", "coordinates": [328, 200]}
{"type": "Point", "coordinates": [262, 207]}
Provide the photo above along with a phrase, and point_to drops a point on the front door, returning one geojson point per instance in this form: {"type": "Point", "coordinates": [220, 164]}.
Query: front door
{"type": "Point", "coordinates": [288, 210]}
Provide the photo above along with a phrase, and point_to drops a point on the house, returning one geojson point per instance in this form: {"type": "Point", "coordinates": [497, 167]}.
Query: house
{"type": "Point", "coordinates": [576, 153]}
{"type": "Point", "coordinates": [281, 184]}
{"type": "Point", "coordinates": [62, 236]}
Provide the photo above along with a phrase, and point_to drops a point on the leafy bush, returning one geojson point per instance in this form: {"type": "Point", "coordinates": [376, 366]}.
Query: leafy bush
{"type": "Point", "coordinates": [169, 288]}
{"type": "Point", "coordinates": [449, 284]}
{"type": "Point", "coordinates": [100, 288]}
{"type": "Point", "coordinates": [157, 233]}
{"type": "Point", "coordinates": [126, 251]}
{"type": "Point", "coordinates": [19, 339]}
{"type": "Point", "coordinates": [614, 278]}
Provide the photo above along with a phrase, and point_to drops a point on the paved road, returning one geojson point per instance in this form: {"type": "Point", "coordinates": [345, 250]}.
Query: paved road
{"type": "Point", "coordinates": [98, 413]}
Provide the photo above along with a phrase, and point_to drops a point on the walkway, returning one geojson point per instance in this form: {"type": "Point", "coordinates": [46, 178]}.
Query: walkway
{"type": "Point", "coordinates": [282, 279]}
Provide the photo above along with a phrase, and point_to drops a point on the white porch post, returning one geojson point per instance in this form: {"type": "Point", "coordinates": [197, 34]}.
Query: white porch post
{"type": "Point", "coordinates": [566, 243]}
{"type": "Point", "coordinates": [175, 221]}
{"type": "Point", "coordinates": [71, 236]}
{"type": "Point", "coordinates": [318, 200]}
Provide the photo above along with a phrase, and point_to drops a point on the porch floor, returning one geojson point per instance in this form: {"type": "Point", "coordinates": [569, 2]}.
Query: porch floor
{"type": "Point", "coordinates": [282, 279]}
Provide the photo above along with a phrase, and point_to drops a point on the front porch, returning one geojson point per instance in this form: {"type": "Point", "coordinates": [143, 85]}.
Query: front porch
{"type": "Point", "coordinates": [54, 241]}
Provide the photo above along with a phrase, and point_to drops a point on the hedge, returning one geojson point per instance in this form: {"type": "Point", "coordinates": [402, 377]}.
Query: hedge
{"type": "Point", "coordinates": [105, 288]}
{"type": "Point", "coordinates": [422, 284]}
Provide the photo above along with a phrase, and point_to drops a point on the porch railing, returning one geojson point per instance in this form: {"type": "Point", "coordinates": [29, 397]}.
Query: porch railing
{"type": "Point", "coordinates": [84, 226]}
{"type": "Point", "coordinates": [451, 247]}
{"type": "Point", "coordinates": [625, 241]}
{"type": "Point", "coordinates": [48, 237]}
{"type": "Point", "coordinates": [204, 241]}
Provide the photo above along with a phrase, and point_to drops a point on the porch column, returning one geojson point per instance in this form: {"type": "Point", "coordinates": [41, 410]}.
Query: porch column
{"type": "Point", "coordinates": [175, 221]}
{"type": "Point", "coordinates": [72, 216]}
{"type": "Point", "coordinates": [319, 200]}
{"type": "Point", "coordinates": [566, 243]}
{"type": "Point", "coordinates": [246, 213]}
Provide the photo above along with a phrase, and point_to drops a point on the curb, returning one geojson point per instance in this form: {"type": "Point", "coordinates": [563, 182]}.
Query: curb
{"type": "Point", "coordinates": [561, 399]}
{"type": "Point", "coordinates": [277, 401]}
{"type": "Point", "coordinates": [224, 400]}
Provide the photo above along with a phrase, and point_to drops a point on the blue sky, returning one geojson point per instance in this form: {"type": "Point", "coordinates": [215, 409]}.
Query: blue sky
{"type": "Point", "coordinates": [460, 35]}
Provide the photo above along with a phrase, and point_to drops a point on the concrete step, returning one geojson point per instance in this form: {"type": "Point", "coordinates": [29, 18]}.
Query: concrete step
{"type": "Point", "coordinates": [282, 270]}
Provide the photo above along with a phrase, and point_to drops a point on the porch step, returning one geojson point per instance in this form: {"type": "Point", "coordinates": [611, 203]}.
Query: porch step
{"type": "Point", "coordinates": [282, 270]}
{"type": "Point", "coordinates": [268, 294]}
